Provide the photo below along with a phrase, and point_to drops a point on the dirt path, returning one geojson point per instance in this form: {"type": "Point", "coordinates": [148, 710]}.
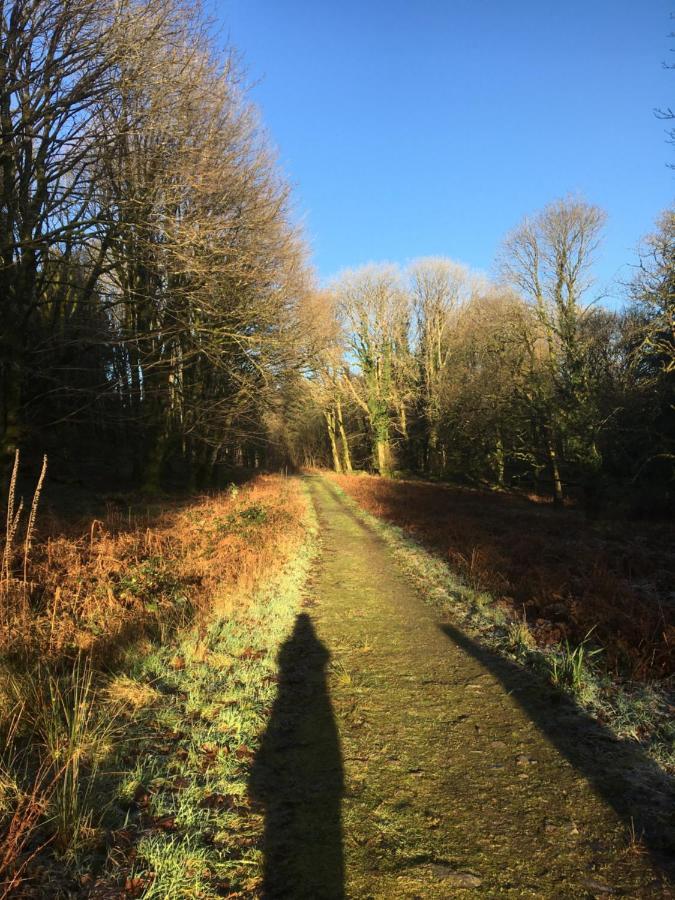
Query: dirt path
{"type": "Point", "coordinates": [404, 761]}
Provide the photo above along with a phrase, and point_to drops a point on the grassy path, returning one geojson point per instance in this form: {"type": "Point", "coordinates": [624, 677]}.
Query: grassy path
{"type": "Point", "coordinates": [402, 760]}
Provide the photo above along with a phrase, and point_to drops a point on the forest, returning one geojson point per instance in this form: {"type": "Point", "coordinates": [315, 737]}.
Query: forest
{"type": "Point", "coordinates": [188, 410]}
{"type": "Point", "coordinates": [523, 382]}
{"type": "Point", "coordinates": [153, 283]}
{"type": "Point", "coordinates": [161, 319]}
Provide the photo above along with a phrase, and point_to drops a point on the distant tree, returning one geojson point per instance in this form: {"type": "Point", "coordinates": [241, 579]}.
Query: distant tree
{"type": "Point", "coordinates": [375, 313]}
{"type": "Point", "coordinates": [548, 258]}
{"type": "Point", "coordinates": [650, 339]}
{"type": "Point", "coordinates": [438, 287]}
{"type": "Point", "coordinates": [328, 378]}
{"type": "Point", "coordinates": [653, 290]}
{"type": "Point", "coordinates": [484, 416]}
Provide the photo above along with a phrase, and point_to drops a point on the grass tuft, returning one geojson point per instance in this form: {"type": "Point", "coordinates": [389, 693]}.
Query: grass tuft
{"type": "Point", "coordinates": [570, 668]}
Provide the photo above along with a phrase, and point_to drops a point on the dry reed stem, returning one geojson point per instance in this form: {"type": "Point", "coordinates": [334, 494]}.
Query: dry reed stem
{"type": "Point", "coordinates": [21, 827]}
{"type": "Point", "coordinates": [32, 518]}
{"type": "Point", "coordinates": [12, 522]}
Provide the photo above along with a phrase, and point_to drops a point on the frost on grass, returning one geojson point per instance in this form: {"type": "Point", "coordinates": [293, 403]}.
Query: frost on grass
{"type": "Point", "coordinates": [199, 831]}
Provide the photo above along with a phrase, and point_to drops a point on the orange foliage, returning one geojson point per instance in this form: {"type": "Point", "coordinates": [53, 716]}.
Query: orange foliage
{"type": "Point", "coordinates": [95, 588]}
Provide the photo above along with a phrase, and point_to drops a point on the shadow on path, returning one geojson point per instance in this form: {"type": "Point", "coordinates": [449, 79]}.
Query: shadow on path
{"type": "Point", "coordinates": [641, 793]}
{"type": "Point", "coordinates": [297, 776]}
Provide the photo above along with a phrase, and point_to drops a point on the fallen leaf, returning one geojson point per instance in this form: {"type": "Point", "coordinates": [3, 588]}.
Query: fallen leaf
{"type": "Point", "coordinates": [252, 653]}
{"type": "Point", "coordinates": [141, 795]}
{"type": "Point", "coordinates": [134, 886]}
{"type": "Point", "coordinates": [219, 801]}
{"type": "Point", "coordinates": [165, 823]}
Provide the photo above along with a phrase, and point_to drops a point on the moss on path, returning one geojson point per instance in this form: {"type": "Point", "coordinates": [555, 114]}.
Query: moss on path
{"type": "Point", "coordinates": [449, 779]}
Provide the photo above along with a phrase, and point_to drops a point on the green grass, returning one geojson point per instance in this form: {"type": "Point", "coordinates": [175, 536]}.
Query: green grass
{"type": "Point", "coordinates": [571, 668]}
{"type": "Point", "coordinates": [61, 713]}
{"type": "Point", "coordinates": [190, 829]}
{"type": "Point", "coordinates": [243, 521]}
{"type": "Point", "coordinates": [520, 640]}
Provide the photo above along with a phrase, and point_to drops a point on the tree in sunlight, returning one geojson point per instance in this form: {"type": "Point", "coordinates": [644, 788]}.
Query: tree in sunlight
{"type": "Point", "coordinates": [152, 277]}
{"type": "Point", "coordinates": [548, 258]}
{"type": "Point", "coordinates": [375, 313]}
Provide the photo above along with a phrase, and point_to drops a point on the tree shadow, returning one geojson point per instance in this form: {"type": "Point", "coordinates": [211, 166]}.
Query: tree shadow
{"type": "Point", "coordinates": [632, 784]}
{"type": "Point", "coordinates": [566, 573]}
{"type": "Point", "coordinates": [297, 776]}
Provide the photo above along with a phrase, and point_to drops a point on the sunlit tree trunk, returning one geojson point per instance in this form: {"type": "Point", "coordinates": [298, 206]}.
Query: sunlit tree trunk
{"type": "Point", "coordinates": [499, 461]}
{"type": "Point", "coordinates": [558, 496]}
{"type": "Point", "coordinates": [346, 455]}
{"type": "Point", "coordinates": [329, 416]}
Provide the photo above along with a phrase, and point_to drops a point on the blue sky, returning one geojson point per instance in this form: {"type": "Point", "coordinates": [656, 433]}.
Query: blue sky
{"type": "Point", "coordinates": [430, 127]}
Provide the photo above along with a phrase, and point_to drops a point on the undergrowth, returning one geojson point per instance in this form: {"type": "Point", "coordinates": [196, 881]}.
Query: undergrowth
{"type": "Point", "coordinates": [132, 657]}
{"type": "Point", "coordinates": [194, 829]}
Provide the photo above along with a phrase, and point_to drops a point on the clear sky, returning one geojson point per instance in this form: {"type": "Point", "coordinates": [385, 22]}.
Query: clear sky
{"type": "Point", "coordinates": [430, 127]}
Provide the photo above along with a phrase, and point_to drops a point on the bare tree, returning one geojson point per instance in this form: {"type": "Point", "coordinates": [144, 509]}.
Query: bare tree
{"type": "Point", "coordinates": [653, 288]}
{"type": "Point", "coordinates": [439, 288]}
{"type": "Point", "coordinates": [145, 224]}
{"type": "Point", "coordinates": [57, 66]}
{"type": "Point", "coordinates": [375, 311]}
{"type": "Point", "coordinates": [549, 259]}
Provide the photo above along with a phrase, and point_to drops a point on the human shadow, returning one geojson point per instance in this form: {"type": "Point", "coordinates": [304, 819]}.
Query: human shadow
{"type": "Point", "coordinates": [639, 791]}
{"type": "Point", "coordinates": [297, 776]}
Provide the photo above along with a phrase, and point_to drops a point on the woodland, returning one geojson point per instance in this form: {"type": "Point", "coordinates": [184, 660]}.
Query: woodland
{"type": "Point", "coordinates": [161, 321]}
{"type": "Point", "coordinates": [170, 359]}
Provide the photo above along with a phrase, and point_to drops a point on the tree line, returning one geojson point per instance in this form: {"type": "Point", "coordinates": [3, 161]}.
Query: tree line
{"type": "Point", "coordinates": [151, 277]}
{"type": "Point", "coordinates": [520, 381]}
{"type": "Point", "coordinates": [160, 318]}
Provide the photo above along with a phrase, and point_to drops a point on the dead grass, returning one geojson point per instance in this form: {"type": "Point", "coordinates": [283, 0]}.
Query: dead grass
{"type": "Point", "coordinates": [95, 587]}
{"type": "Point", "coordinates": [553, 569]}
{"type": "Point", "coordinates": [92, 593]}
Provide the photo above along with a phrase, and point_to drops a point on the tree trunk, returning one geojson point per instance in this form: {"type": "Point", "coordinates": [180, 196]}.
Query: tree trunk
{"type": "Point", "coordinates": [403, 421]}
{"type": "Point", "coordinates": [558, 496]}
{"type": "Point", "coordinates": [382, 455]}
{"type": "Point", "coordinates": [212, 462]}
{"type": "Point", "coordinates": [329, 416]}
{"type": "Point", "coordinates": [499, 461]}
{"type": "Point", "coordinates": [346, 455]}
{"type": "Point", "coordinates": [11, 403]}
{"type": "Point", "coordinates": [152, 470]}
